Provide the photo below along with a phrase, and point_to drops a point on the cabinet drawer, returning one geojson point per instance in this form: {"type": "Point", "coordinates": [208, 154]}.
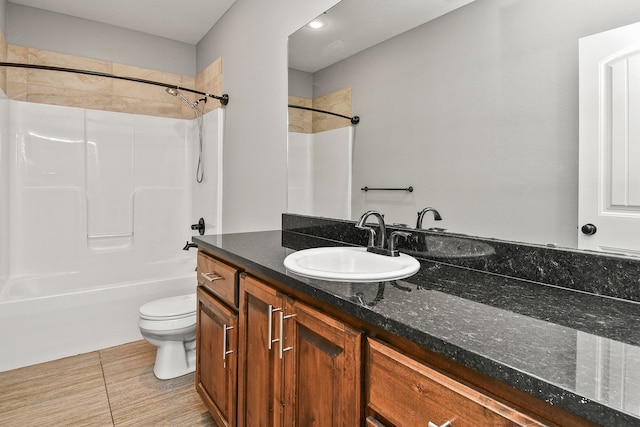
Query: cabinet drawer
{"type": "Point", "coordinates": [409, 393]}
{"type": "Point", "coordinates": [219, 278]}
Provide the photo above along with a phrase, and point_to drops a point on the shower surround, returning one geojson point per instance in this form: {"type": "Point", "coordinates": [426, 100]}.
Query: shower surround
{"type": "Point", "coordinates": [319, 172]}
{"type": "Point", "coordinates": [96, 207]}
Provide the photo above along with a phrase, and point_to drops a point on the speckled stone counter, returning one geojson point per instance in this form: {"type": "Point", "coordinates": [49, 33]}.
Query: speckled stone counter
{"type": "Point", "coordinates": [573, 349]}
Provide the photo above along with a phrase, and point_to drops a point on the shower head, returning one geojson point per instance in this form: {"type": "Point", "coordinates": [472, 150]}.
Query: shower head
{"type": "Point", "coordinates": [173, 91]}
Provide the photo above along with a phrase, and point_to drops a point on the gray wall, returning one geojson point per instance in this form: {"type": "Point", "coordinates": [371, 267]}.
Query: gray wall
{"type": "Point", "coordinates": [252, 40]}
{"type": "Point", "coordinates": [37, 28]}
{"type": "Point", "coordinates": [3, 16]}
{"type": "Point", "coordinates": [478, 110]}
{"type": "Point", "coordinates": [300, 84]}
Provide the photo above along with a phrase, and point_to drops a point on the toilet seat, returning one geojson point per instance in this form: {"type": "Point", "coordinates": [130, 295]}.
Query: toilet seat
{"type": "Point", "coordinates": [172, 308]}
{"type": "Point", "coordinates": [171, 327]}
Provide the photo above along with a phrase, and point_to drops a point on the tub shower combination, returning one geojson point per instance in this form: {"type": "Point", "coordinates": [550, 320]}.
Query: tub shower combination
{"type": "Point", "coordinates": [96, 209]}
{"type": "Point", "coordinates": [320, 168]}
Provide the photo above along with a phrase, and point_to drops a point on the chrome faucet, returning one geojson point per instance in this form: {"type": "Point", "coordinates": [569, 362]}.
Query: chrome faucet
{"type": "Point", "coordinates": [436, 216]}
{"type": "Point", "coordinates": [372, 233]}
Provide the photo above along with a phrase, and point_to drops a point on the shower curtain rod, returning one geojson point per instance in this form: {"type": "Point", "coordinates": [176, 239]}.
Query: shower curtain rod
{"type": "Point", "coordinates": [224, 99]}
{"type": "Point", "coordinates": [354, 120]}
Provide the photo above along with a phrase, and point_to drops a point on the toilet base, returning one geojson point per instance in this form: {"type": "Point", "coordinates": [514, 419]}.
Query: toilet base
{"type": "Point", "coordinates": [174, 359]}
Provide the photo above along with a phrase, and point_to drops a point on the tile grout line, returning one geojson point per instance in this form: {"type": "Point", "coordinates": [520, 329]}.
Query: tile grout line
{"type": "Point", "coordinates": [106, 390]}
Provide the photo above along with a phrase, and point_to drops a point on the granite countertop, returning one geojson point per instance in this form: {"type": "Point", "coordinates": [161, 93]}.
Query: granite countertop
{"type": "Point", "coordinates": [573, 349]}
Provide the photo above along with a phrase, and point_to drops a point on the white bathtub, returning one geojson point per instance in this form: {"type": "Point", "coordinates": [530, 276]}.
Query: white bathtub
{"type": "Point", "coordinates": [95, 207]}
{"type": "Point", "coordinates": [66, 320]}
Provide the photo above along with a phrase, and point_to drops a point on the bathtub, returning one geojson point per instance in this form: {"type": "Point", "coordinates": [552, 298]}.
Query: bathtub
{"type": "Point", "coordinates": [45, 318]}
{"type": "Point", "coordinates": [97, 207]}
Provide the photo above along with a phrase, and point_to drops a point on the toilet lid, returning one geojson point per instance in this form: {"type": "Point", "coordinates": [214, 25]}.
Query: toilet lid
{"type": "Point", "coordinates": [169, 308]}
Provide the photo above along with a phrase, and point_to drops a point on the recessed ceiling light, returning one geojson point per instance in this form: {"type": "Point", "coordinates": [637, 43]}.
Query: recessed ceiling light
{"type": "Point", "coordinates": [317, 23]}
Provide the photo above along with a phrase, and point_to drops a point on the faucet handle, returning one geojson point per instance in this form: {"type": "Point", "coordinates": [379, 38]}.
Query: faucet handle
{"type": "Point", "coordinates": [393, 237]}
{"type": "Point", "coordinates": [372, 234]}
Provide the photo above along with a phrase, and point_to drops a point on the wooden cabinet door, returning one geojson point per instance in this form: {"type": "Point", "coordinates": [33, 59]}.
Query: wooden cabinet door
{"type": "Point", "coordinates": [216, 367]}
{"type": "Point", "coordinates": [260, 376]}
{"type": "Point", "coordinates": [407, 392]}
{"type": "Point", "coordinates": [322, 369]}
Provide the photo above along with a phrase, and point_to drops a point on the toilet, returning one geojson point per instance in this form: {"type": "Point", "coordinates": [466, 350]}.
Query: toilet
{"type": "Point", "coordinates": [170, 325]}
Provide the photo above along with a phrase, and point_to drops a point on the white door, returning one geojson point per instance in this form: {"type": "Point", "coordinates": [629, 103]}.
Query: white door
{"type": "Point", "coordinates": [609, 186]}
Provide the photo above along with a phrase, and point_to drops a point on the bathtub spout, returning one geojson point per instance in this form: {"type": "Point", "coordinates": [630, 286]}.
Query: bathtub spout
{"type": "Point", "coordinates": [189, 246]}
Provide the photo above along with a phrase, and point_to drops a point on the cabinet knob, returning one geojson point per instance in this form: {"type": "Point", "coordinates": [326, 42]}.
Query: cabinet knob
{"type": "Point", "coordinates": [589, 229]}
{"type": "Point", "coordinates": [445, 424]}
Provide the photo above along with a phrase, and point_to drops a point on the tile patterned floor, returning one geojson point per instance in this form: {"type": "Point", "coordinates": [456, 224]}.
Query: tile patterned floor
{"type": "Point", "coordinates": [110, 387]}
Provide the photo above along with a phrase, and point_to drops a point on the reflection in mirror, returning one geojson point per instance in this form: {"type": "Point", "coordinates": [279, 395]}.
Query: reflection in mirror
{"type": "Point", "coordinates": [477, 109]}
{"type": "Point", "coordinates": [319, 153]}
{"type": "Point", "coordinates": [600, 362]}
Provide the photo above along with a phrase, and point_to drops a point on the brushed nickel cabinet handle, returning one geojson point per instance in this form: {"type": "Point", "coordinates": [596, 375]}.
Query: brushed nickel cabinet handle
{"type": "Point", "coordinates": [211, 277]}
{"type": "Point", "coordinates": [282, 319]}
{"type": "Point", "coordinates": [270, 339]}
{"type": "Point", "coordinates": [225, 352]}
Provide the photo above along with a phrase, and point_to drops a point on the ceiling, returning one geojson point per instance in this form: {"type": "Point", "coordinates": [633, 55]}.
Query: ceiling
{"type": "Point", "coordinates": [187, 21]}
{"type": "Point", "coordinates": [355, 25]}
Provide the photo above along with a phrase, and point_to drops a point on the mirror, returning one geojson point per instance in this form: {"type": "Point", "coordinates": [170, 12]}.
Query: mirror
{"type": "Point", "coordinates": [476, 109]}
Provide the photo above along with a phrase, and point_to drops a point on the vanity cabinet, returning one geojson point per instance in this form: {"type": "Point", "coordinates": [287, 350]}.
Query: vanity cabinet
{"type": "Point", "coordinates": [405, 392]}
{"type": "Point", "coordinates": [268, 355]}
{"type": "Point", "coordinates": [299, 367]}
{"type": "Point", "coordinates": [216, 338]}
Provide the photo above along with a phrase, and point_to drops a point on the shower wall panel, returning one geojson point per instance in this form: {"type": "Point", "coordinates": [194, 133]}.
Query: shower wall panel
{"type": "Point", "coordinates": [97, 195]}
{"type": "Point", "coordinates": [331, 177]}
{"type": "Point", "coordinates": [109, 176]}
{"type": "Point", "coordinates": [207, 196]}
{"type": "Point", "coordinates": [46, 190]}
{"type": "Point", "coordinates": [319, 173]}
{"type": "Point", "coordinates": [299, 173]}
{"type": "Point", "coordinates": [4, 190]}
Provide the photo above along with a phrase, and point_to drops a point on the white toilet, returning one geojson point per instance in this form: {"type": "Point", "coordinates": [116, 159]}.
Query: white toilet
{"type": "Point", "coordinates": [170, 325]}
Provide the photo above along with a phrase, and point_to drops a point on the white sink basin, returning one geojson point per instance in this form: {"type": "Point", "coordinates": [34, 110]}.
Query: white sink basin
{"type": "Point", "coordinates": [350, 264]}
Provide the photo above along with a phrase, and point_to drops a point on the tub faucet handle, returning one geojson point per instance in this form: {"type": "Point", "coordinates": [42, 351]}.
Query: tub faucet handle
{"type": "Point", "coordinates": [199, 226]}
